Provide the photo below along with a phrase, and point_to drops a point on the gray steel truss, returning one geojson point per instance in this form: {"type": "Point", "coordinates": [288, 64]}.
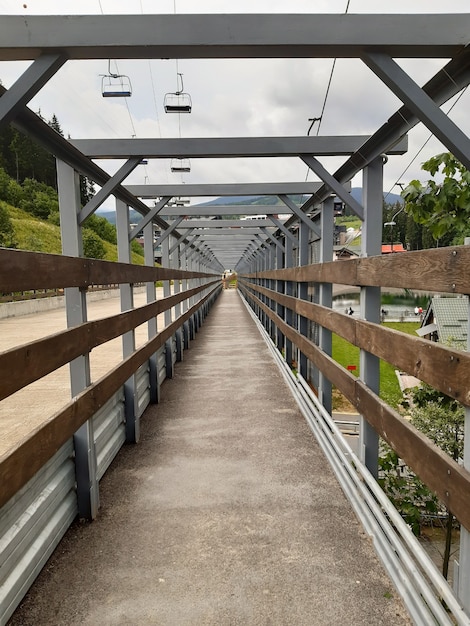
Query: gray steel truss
{"type": "Point", "coordinates": [233, 36]}
{"type": "Point", "coordinates": [248, 245]}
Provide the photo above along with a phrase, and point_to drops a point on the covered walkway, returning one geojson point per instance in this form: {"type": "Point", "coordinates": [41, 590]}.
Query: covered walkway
{"type": "Point", "coordinates": [226, 512]}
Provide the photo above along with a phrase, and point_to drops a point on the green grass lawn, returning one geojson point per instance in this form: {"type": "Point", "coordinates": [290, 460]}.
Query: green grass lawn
{"type": "Point", "coordinates": [346, 354]}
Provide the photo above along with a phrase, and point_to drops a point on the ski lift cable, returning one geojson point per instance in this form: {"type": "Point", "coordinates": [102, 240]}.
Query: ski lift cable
{"type": "Point", "coordinates": [320, 118]}
{"type": "Point", "coordinates": [397, 183]}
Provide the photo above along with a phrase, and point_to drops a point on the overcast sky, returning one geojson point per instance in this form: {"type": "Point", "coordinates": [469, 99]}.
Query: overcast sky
{"type": "Point", "coordinates": [235, 97]}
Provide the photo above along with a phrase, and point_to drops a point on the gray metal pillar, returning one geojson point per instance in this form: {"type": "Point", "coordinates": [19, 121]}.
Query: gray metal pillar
{"type": "Point", "coordinates": [76, 311]}
{"type": "Point", "coordinates": [185, 303]}
{"type": "Point", "coordinates": [175, 262]}
{"type": "Point", "coordinates": [149, 258]}
{"type": "Point", "coordinates": [289, 291]}
{"type": "Point", "coordinates": [462, 568]}
{"type": "Point", "coordinates": [370, 301]}
{"type": "Point", "coordinates": [128, 339]}
{"type": "Point", "coordinates": [302, 293]}
{"type": "Point", "coordinates": [326, 297]}
{"type": "Point", "coordinates": [272, 286]}
{"type": "Point", "coordinates": [167, 314]}
{"type": "Point", "coordinates": [279, 286]}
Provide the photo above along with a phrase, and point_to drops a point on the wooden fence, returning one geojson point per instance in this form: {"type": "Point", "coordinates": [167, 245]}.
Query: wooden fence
{"type": "Point", "coordinates": [445, 270]}
{"type": "Point", "coordinates": [27, 363]}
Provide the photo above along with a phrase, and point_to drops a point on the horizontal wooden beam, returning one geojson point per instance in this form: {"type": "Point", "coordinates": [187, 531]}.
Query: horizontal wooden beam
{"type": "Point", "coordinates": [23, 271]}
{"type": "Point", "coordinates": [444, 270]}
{"type": "Point", "coordinates": [36, 359]}
{"type": "Point", "coordinates": [444, 368]}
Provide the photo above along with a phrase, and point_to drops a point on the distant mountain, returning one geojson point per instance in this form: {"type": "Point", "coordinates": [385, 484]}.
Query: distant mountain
{"type": "Point", "coordinates": [390, 198]}
{"type": "Point", "coordinates": [356, 192]}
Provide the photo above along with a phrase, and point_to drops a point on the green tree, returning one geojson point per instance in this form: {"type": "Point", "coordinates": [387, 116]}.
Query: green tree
{"type": "Point", "coordinates": [38, 199]}
{"type": "Point", "coordinates": [443, 207]}
{"type": "Point", "coordinates": [442, 420]}
{"type": "Point", "coordinates": [93, 247]}
{"type": "Point", "coordinates": [443, 423]}
{"type": "Point", "coordinates": [102, 228]}
{"type": "Point", "coordinates": [7, 233]}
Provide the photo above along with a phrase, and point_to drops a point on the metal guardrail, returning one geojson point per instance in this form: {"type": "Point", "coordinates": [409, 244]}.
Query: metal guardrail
{"type": "Point", "coordinates": [423, 589]}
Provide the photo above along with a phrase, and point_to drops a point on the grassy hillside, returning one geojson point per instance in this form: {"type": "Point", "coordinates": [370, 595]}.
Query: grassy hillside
{"type": "Point", "coordinates": [346, 354]}
{"type": "Point", "coordinates": [38, 235]}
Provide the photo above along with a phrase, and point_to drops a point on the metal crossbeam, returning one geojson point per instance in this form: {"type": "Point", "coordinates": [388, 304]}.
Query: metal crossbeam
{"type": "Point", "coordinates": [232, 36]}
{"type": "Point", "coordinates": [421, 104]}
{"type": "Point", "coordinates": [28, 84]}
{"type": "Point", "coordinates": [108, 188]}
{"type": "Point", "coordinates": [221, 147]}
{"type": "Point", "coordinates": [223, 189]}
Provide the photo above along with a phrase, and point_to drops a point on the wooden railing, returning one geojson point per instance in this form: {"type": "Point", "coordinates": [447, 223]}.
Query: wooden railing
{"type": "Point", "coordinates": [27, 363]}
{"type": "Point", "coordinates": [448, 370]}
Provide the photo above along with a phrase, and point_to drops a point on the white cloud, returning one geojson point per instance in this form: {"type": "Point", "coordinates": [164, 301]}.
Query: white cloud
{"type": "Point", "coordinates": [233, 97]}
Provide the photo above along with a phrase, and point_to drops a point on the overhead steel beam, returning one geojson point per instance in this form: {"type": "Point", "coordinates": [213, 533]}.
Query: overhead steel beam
{"type": "Point", "coordinates": [224, 224]}
{"type": "Point", "coordinates": [232, 35]}
{"type": "Point", "coordinates": [226, 209]}
{"type": "Point", "coordinates": [334, 185]}
{"type": "Point", "coordinates": [28, 84]}
{"type": "Point", "coordinates": [445, 84]}
{"type": "Point", "coordinates": [421, 104]}
{"type": "Point", "coordinates": [299, 212]}
{"type": "Point", "coordinates": [280, 226]}
{"type": "Point", "coordinates": [108, 188]}
{"type": "Point", "coordinates": [229, 232]}
{"type": "Point", "coordinates": [222, 189]}
{"type": "Point", "coordinates": [149, 217]}
{"type": "Point", "coordinates": [221, 147]}
{"type": "Point", "coordinates": [167, 232]}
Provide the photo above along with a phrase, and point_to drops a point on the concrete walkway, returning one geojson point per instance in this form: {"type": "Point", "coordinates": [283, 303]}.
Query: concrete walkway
{"type": "Point", "coordinates": [225, 513]}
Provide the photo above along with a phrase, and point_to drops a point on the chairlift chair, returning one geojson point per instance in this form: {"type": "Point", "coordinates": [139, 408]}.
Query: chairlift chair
{"type": "Point", "coordinates": [178, 101]}
{"type": "Point", "coordinates": [180, 165]}
{"type": "Point", "coordinates": [115, 85]}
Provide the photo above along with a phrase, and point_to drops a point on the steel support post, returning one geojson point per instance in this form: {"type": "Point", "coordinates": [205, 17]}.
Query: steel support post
{"type": "Point", "coordinates": [128, 339]}
{"type": "Point", "coordinates": [167, 315]}
{"type": "Point", "coordinates": [76, 311]}
{"type": "Point", "coordinates": [272, 286]}
{"type": "Point", "coordinates": [264, 282]}
{"type": "Point", "coordinates": [280, 289]}
{"type": "Point", "coordinates": [175, 262]}
{"type": "Point", "coordinates": [289, 291]}
{"type": "Point", "coordinates": [370, 301]}
{"type": "Point", "coordinates": [149, 259]}
{"type": "Point", "coordinates": [326, 297]}
{"type": "Point", "coordinates": [302, 293]}
{"type": "Point", "coordinates": [185, 303]}
{"type": "Point", "coordinates": [462, 568]}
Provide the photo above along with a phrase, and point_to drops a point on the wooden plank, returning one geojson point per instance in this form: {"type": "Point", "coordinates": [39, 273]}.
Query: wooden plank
{"type": "Point", "coordinates": [444, 270]}
{"type": "Point", "coordinates": [19, 464]}
{"type": "Point", "coordinates": [337, 374]}
{"type": "Point", "coordinates": [25, 364]}
{"type": "Point", "coordinates": [437, 470]}
{"type": "Point", "coordinates": [444, 368]}
{"type": "Point", "coordinates": [23, 271]}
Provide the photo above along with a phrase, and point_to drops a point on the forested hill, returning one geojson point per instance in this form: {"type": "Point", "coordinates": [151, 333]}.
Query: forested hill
{"type": "Point", "coordinates": [29, 220]}
{"type": "Point", "coordinates": [22, 158]}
